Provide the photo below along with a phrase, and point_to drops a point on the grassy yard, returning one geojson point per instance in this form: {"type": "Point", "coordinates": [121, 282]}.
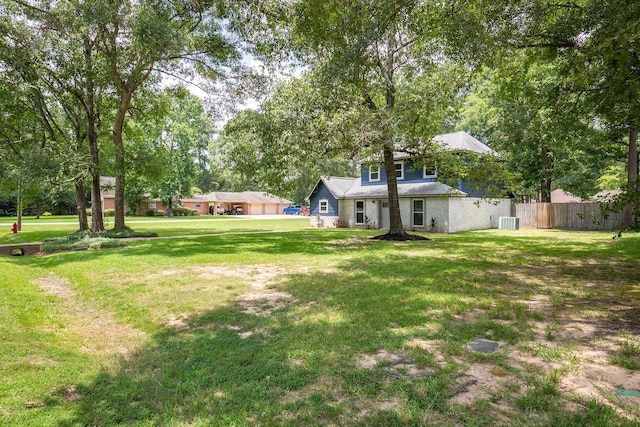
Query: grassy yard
{"type": "Point", "coordinates": [323, 327]}
{"type": "Point", "coordinates": [35, 230]}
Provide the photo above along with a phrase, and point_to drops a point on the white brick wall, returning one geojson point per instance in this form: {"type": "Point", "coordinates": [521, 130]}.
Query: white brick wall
{"type": "Point", "coordinates": [476, 214]}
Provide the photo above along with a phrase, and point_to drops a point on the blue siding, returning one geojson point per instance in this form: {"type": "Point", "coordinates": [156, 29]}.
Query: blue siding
{"type": "Point", "coordinates": [411, 174]}
{"type": "Point", "coordinates": [474, 191]}
{"type": "Point", "coordinates": [321, 192]}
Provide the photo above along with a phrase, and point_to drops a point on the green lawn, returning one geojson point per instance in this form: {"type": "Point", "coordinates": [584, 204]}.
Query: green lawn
{"type": "Point", "coordinates": [35, 230]}
{"type": "Point", "coordinates": [323, 327]}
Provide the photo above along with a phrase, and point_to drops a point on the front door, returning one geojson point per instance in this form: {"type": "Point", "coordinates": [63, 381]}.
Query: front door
{"type": "Point", "coordinates": [385, 222]}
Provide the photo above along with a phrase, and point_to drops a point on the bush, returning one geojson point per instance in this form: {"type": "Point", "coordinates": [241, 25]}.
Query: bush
{"type": "Point", "coordinates": [109, 212]}
{"type": "Point", "coordinates": [154, 212]}
{"type": "Point", "coordinates": [88, 240]}
{"type": "Point", "coordinates": [184, 212]}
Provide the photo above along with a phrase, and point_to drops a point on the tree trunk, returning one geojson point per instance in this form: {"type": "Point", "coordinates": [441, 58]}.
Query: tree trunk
{"type": "Point", "coordinates": [170, 208]}
{"type": "Point", "coordinates": [545, 184]}
{"type": "Point", "coordinates": [97, 220]}
{"type": "Point", "coordinates": [395, 219]}
{"type": "Point", "coordinates": [19, 205]}
{"type": "Point", "coordinates": [93, 130]}
{"type": "Point", "coordinates": [81, 202]}
{"type": "Point", "coordinates": [632, 177]}
{"type": "Point", "coordinates": [123, 107]}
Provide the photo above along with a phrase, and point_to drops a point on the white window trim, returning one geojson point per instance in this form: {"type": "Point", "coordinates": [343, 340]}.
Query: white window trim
{"type": "Point", "coordinates": [413, 212]}
{"type": "Point", "coordinates": [326, 208]}
{"type": "Point", "coordinates": [401, 163]}
{"type": "Point", "coordinates": [424, 173]}
{"type": "Point", "coordinates": [356, 211]}
{"type": "Point", "coordinates": [152, 205]}
{"type": "Point", "coordinates": [371, 168]}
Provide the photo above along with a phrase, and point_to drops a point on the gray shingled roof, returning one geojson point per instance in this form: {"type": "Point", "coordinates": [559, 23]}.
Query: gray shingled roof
{"type": "Point", "coordinates": [462, 141]}
{"type": "Point", "coordinates": [455, 141]}
{"type": "Point", "coordinates": [351, 188]}
{"type": "Point", "coordinates": [338, 186]}
{"type": "Point", "coordinates": [404, 190]}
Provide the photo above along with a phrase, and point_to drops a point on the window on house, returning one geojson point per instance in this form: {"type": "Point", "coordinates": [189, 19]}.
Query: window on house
{"type": "Point", "coordinates": [399, 170]}
{"type": "Point", "coordinates": [152, 205]}
{"type": "Point", "coordinates": [323, 206]}
{"type": "Point", "coordinates": [429, 172]}
{"type": "Point", "coordinates": [374, 173]}
{"type": "Point", "coordinates": [359, 211]}
{"type": "Point", "coordinates": [197, 205]}
{"type": "Point", "coordinates": [418, 213]}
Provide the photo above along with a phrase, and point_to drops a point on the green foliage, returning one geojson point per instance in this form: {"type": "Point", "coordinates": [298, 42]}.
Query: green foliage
{"type": "Point", "coordinates": [79, 241]}
{"type": "Point", "coordinates": [262, 152]}
{"type": "Point", "coordinates": [180, 211]}
{"type": "Point", "coordinates": [155, 212]}
{"type": "Point", "coordinates": [547, 137]}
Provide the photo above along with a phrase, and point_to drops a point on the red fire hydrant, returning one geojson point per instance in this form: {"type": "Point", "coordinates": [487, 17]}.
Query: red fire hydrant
{"type": "Point", "coordinates": [14, 228]}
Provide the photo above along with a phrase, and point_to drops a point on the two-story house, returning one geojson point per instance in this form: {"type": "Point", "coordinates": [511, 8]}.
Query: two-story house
{"type": "Point", "coordinates": [425, 203]}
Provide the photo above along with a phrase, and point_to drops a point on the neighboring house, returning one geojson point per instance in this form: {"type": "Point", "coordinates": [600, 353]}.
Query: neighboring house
{"type": "Point", "coordinates": [561, 196]}
{"type": "Point", "coordinates": [425, 203]}
{"type": "Point", "coordinates": [245, 202]}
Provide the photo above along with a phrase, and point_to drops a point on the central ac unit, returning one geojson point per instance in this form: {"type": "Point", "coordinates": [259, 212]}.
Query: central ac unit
{"type": "Point", "coordinates": [509, 223]}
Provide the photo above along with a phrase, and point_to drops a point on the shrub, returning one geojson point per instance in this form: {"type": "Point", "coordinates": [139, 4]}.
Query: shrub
{"type": "Point", "coordinates": [184, 212]}
{"type": "Point", "coordinates": [109, 212]}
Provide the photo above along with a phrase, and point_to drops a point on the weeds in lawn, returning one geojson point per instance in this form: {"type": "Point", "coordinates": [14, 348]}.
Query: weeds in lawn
{"type": "Point", "coordinates": [628, 356]}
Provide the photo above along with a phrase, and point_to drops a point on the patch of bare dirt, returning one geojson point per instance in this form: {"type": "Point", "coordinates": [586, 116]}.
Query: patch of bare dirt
{"type": "Point", "coordinates": [68, 393]}
{"type": "Point", "coordinates": [178, 322]}
{"type": "Point", "coordinates": [326, 385]}
{"type": "Point", "coordinates": [262, 299]}
{"type": "Point", "coordinates": [538, 304]}
{"type": "Point", "coordinates": [588, 372]}
{"type": "Point", "coordinates": [480, 382]}
{"type": "Point", "coordinates": [399, 365]}
{"type": "Point", "coordinates": [54, 285]}
{"type": "Point", "coordinates": [433, 348]}
{"type": "Point", "coordinates": [264, 302]}
{"type": "Point", "coordinates": [97, 328]}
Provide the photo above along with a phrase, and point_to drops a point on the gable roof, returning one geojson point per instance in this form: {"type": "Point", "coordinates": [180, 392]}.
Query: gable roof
{"type": "Point", "coordinates": [462, 141]}
{"type": "Point", "coordinates": [454, 141]}
{"type": "Point", "coordinates": [337, 185]}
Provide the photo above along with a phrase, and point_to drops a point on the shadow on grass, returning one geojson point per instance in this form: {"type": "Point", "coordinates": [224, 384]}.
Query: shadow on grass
{"type": "Point", "coordinates": [298, 365]}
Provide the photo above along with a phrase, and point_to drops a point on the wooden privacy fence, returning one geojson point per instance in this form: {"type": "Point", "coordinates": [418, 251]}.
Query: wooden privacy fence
{"type": "Point", "coordinates": [569, 216]}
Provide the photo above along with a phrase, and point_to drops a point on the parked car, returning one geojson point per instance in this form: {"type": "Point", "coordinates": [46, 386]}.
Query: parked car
{"type": "Point", "coordinates": [305, 210]}
{"type": "Point", "coordinates": [292, 210]}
